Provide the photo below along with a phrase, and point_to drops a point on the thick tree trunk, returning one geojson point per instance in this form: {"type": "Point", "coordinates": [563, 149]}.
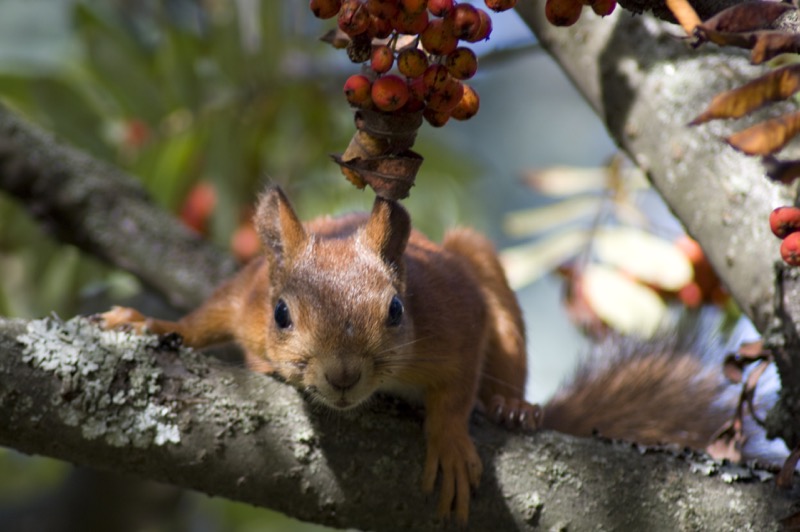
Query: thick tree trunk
{"type": "Point", "coordinates": [646, 84]}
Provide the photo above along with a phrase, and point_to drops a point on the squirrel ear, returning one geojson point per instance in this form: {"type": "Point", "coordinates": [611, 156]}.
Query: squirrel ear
{"type": "Point", "coordinates": [387, 230]}
{"type": "Point", "coordinates": [277, 224]}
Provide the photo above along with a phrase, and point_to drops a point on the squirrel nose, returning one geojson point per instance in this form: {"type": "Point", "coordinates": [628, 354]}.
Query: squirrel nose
{"type": "Point", "coordinates": [341, 379]}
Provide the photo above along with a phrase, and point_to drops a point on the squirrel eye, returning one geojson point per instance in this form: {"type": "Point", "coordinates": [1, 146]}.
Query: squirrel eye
{"type": "Point", "coordinates": [282, 317]}
{"type": "Point", "coordinates": [395, 312]}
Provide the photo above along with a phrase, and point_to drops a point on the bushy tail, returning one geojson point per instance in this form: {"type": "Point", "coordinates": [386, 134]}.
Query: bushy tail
{"type": "Point", "coordinates": [644, 393]}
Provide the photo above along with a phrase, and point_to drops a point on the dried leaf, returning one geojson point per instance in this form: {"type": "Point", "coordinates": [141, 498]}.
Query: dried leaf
{"type": "Point", "coordinates": [685, 14]}
{"type": "Point", "coordinates": [728, 442]}
{"type": "Point", "coordinates": [744, 17]}
{"type": "Point", "coordinates": [644, 256]}
{"type": "Point", "coordinates": [627, 306]}
{"type": "Point", "coordinates": [566, 180]}
{"type": "Point", "coordinates": [527, 263]}
{"type": "Point", "coordinates": [769, 44]}
{"type": "Point", "coordinates": [748, 353]}
{"type": "Point", "coordinates": [733, 368]}
{"type": "Point", "coordinates": [767, 137]}
{"type": "Point", "coordinates": [541, 219]}
{"type": "Point", "coordinates": [725, 38]}
{"type": "Point", "coordinates": [336, 38]}
{"type": "Point", "coordinates": [775, 86]}
{"type": "Point", "coordinates": [784, 479]}
{"type": "Point", "coordinates": [781, 171]}
{"type": "Point", "coordinates": [390, 176]}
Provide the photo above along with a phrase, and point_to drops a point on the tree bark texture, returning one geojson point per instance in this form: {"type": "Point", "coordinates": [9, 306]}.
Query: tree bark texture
{"type": "Point", "coordinates": [647, 84]}
{"type": "Point", "coordinates": [133, 405]}
{"type": "Point", "coordinates": [140, 405]}
{"type": "Point", "coordinates": [106, 213]}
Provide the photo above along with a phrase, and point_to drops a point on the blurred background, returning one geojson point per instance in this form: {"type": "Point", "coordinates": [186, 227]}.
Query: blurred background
{"type": "Point", "coordinates": [206, 101]}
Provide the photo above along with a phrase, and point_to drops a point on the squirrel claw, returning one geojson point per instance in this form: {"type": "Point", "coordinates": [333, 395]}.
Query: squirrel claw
{"type": "Point", "coordinates": [515, 413]}
{"type": "Point", "coordinates": [461, 470]}
{"type": "Point", "coordinates": [122, 318]}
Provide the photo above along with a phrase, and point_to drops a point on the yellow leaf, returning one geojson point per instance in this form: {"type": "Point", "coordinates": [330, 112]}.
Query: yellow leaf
{"type": "Point", "coordinates": [541, 219]}
{"type": "Point", "coordinates": [625, 305]}
{"type": "Point", "coordinates": [775, 86]}
{"type": "Point", "coordinates": [646, 257]}
{"type": "Point", "coordinates": [527, 263]}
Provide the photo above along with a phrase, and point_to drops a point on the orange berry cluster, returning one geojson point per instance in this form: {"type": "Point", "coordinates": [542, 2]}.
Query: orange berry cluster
{"type": "Point", "coordinates": [567, 12]}
{"type": "Point", "coordinates": [785, 224]}
{"type": "Point", "coordinates": [430, 65]}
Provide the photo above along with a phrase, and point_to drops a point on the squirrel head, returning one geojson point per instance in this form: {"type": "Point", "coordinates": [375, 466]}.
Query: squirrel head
{"type": "Point", "coordinates": [337, 321]}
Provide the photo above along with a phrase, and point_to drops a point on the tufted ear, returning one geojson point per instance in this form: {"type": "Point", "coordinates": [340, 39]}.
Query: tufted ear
{"type": "Point", "coordinates": [387, 231]}
{"type": "Point", "coordinates": [277, 224]}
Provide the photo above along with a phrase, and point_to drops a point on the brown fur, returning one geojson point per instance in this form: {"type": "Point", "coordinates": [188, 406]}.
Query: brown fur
{"type": "Point", "coordinates": [649, 394]}
{"type": "Point", "coordinates": [461, 334]}
{"type": "Point", "coordinates": [461, 339]}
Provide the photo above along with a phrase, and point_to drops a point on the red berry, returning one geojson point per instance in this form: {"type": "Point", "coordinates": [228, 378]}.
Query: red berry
{"type": "Point", "coordinates": [357, 90]}
{"type": "Point", "coordinates": [382, 58]}
{"type": "Point", "coordinates": [604, 7]}
{"type": "Point", "coordinates": [325, 8]}
{"type": "Point", "coordinates": [440, 8]}
{"type": "Point", "coordinates": [784, 220]}
{"type": "Point", "coordinates": [413, 7]}
{"type": "Point", "coordinates": [563, 12]}
{"type": "Point", "coordinates": [462, 63]}
{"type": "Point", "coordinates": [447, 98]}
{"type": "Point", "coordinates": [198, 206]}
{"type": "Point", "coordinates": [435, 118]}
{"type": "Point", "coordinates": [383, 9]}
{"type": "Point", "coordinates": [389, 93]}
{"type": "Point", "coordinates": [465, 19]}
{"type": "Point", "coordinates": [439, 38]}
{"type": "Point", "coordinates": [353, 17]}
{"type": "Point", "coordinates": [435, 79]}
{"type": "Point", "coordinates": [468, 106]}
{"type": "Point", "coordinates": [379, 28]}
{"type": "Point", "coordinates": [417, 89]}
{"type": "Point", "coordinates": [500, 5]}
{"type": "Point", "coordinates": [410, 24]}
{"type": "Point", "coordinates": [412, 62]}
{"type": "Point", "coordinates": [790, 249]}
{"type": "Point", "coordinates": [484, 29]}
{"type": "Point", "coordinates": [415, 101]}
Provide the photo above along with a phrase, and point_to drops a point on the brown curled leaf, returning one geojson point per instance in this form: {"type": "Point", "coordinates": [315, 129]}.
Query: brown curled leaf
{"type": "Point", "coordinates": [775, 86]}
{"type": "Point", "coordinates": [766, 137]}
{"type": "Point", "coordinates": [781, 171]}
{"type": "Point", "coordinates": [745, 17]}
{"type": "Point", "coordinates": [769, 44]}
{"type": "Point", "coordinates": [390, 176]}
{"type": "Point", "coordinates": [725, 38]}
{"type": "Point", "coordinates": [336, 38]}
{"type": "Point", "coordinates": [784, 479]}
{"type": "Point", "coordinates": [685, 14]}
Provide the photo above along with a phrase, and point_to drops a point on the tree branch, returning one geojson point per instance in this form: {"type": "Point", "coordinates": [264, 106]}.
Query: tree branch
{"type": "Point", "coordinates": [106, 213]}
{"type": "Point", "coordinates": [122, 402]}
{"type": "Point", "coordinates": [646, 84]}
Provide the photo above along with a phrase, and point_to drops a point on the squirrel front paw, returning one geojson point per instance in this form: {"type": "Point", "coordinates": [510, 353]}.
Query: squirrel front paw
{"type": "Point", "coordinates": [515, 413]}
{"type": "Point", "coordinates": [123, 318]}
{"type": "Point", "coordinates": [456, 457]}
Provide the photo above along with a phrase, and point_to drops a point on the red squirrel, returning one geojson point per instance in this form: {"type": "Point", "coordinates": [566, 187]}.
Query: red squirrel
{"type": "Point", "coordinates": [349, 306]}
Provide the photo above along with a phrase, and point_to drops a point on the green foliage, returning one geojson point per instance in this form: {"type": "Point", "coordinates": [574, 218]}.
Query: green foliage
{"type": "Point", "coordinates": [177, 93]}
